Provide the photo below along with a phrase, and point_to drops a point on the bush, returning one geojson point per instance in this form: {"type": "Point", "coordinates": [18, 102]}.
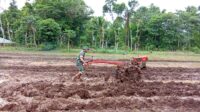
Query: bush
{"type": "Point", "coordinates": [195, 50]}
{"type": "Point", "coordinates": [48, 31]}
{"type": "Point", "coordinates": [150, 47]}
{"type": "Point", "coordinates": [111, 51]}
{"type": "Point", "coordinates": [47, 46]}
{"type": "Point", "coordinates": [29, 45]}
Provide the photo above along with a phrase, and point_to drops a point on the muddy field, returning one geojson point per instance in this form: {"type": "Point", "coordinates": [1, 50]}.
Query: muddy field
{"type": "Point", "coordinates": [41, 83]}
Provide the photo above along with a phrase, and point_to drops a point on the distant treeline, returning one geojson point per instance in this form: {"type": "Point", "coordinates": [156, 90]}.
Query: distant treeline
{"type": "Point", "coordinates": [69, 23]}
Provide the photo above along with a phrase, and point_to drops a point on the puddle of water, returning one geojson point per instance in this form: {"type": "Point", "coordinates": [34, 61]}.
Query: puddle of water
{"type": "Point", "coordinates": [3, 102]}
{"type": "Point", "coordinates": [3, 80]}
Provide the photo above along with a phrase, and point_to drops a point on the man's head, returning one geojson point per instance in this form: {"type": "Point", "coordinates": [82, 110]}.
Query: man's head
{"type": "Point", "coordinates": [86, 49]}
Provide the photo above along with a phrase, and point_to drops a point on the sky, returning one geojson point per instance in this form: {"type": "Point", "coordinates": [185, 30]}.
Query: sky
{"type": "Point", "coordinates": [169, 5]}
{"type": "Point", "coordinates": [96, 5]}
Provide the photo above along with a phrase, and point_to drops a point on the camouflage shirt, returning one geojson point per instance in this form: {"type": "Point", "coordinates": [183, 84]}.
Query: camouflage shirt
{"type": "Point", "coordinates": [82, 53]}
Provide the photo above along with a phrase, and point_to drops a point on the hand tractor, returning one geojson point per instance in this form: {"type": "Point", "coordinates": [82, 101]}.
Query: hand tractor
{"type": "Point", "coordinates": [125, 71]}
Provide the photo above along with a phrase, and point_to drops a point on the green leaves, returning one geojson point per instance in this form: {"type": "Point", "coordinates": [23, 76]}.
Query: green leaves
{"type": "Point", "coordinates": [48, 31]}
{"type": "Point", "coordinates": [119, 8]}
{"type": "Point", "coordinates": [70, 33]}
{"type": "Point", "coordinates": [55, 23]}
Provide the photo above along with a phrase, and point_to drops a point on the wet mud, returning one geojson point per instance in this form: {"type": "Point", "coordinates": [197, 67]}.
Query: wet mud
{"type": "Point", "coordinates": [45, 88]}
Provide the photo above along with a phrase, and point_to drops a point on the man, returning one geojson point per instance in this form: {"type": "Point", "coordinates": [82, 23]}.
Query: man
{"type": "Point", "coordinates": [80, 62]}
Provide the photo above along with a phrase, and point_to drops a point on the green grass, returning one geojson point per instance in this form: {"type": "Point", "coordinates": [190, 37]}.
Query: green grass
{"type": "Point", "coordinates": [108, 54]}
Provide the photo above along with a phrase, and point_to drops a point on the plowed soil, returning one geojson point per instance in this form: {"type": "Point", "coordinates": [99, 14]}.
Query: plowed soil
{"type": "Point", "coordinates": [30, 83]}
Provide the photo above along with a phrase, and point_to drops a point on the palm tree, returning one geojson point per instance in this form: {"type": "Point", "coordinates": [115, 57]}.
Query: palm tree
{"type": "Point", "coordinates": [70, 34]}
{"type": "Point", "coordinates": [99, 23]}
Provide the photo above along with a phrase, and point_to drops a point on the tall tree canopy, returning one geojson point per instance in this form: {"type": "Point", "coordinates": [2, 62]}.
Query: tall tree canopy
{"type": "Point", "coordinates": [69, 23]}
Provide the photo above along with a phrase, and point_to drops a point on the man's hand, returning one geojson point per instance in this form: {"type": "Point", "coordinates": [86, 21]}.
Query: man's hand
{"type": "Point", "coordinates": [81, 57]}
{"type": "Point", "coordinates": [85, 64]}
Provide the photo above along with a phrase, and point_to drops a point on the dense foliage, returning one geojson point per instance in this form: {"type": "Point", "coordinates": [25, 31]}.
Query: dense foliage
{"type": "Point", "coordinates": [69, 23]}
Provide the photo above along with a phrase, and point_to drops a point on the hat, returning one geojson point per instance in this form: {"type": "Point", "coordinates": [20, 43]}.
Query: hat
{"type": "Point", "coordinates": [86, 48]}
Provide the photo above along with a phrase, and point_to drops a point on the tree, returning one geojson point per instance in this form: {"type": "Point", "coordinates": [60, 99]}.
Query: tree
{"type": "Point", "coordinates": [69, 23]}
{"type": "Point", "coordinates": [142, 28]}
{"type": "Point", "coordinates": [67, 13]}
{"type": "Point", "coordinates": [30, 29]}
{"type": "Point", "coordinates": [112, 7]}
{"type": "Point", "coordinates": [70, 34]}
{"type": "Point", "coordinates": [122, 11]}
{"type": "Point", "coordinates": [128, 14]}
{"type": "Point", "coordinates": [1, 26]}
{"type": "Point", "coordinates": [189, 26]}
{"type": "Point", "coordinates": [48, 31]}
{"type": "Point", "coordinates": [117, 27]}
{"type": "Point", "coordinates": [11, 18]}
{"type": "Point", "coordinates": [100, 25]}
{"type": "Point", "coordinates": [108, 7]}
{"type": "Point", "coordinates": [91, 33]}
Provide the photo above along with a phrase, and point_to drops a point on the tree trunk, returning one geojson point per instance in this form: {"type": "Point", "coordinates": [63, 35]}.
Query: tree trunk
{"type": "Point", "coordinates": [131, 40]}
{"type": "Point", "coordinates": [25, 38]}
{"type": "Point", "coordinates": [116, 47]}
{"type": "Point", "coordinates": [139, 40]}
{"type": "Point", "coordinates": [178, 44]}
{"type": "Point", "coordinates": [95, 43]}
{"type": "Point", "coordinates": [106, 43]}
{"type": "Point", "coordinates": [8, 29]}
{"type": "Point", "coordinates": [2, 30]}
{"type": "Point", "coordinates": [127, 29]}
{"type": "Point", "coordinates": [68, 44]}
{"type": "Point", "coordinates": [61, 41]}
{"type": "Point", "coordinates": [34, 39]}
{"type": "Point", "coordinates": [137, 36]}
{"type": "Point", "coordinates": [102, 41]}
{"type": "Point", "coordinates": [92, 39]}
{"type": "Point", "coordinates": [135, 46]}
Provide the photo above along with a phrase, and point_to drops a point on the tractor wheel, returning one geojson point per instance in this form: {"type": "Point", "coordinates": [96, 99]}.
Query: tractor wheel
{"type": "Point", "coordinates": [143, 65]}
